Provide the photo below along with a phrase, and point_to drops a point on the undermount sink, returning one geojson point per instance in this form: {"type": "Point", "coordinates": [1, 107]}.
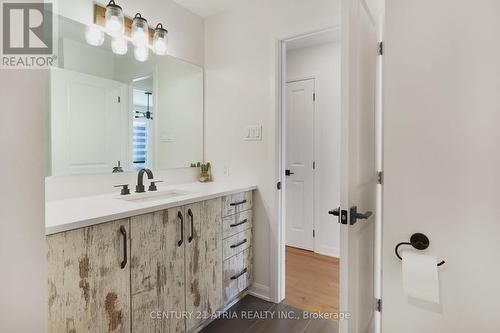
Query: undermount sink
{"type": "Point", "coordinates": [153, 196]}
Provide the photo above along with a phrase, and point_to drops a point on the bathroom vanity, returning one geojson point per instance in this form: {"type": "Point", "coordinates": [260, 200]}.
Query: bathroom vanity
{"type": "Point", "coordinates": [161, 261]}
{"type": "Point", "coordinates": [152, 262]}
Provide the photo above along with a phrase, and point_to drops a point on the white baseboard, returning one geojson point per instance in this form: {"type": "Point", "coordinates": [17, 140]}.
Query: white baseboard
{"type": "Point", "coordinates": [259, 290]}
{"type": "Point", "coordinates": [330, 251]}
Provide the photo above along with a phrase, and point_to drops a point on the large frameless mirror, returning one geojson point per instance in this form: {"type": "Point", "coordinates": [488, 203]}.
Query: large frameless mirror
{"type": "Point", "coordinates": [109, 112]}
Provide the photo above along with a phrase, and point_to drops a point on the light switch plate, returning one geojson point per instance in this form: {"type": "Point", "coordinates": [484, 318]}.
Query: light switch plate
{"type": "Point", "coordinates": [253, 133]}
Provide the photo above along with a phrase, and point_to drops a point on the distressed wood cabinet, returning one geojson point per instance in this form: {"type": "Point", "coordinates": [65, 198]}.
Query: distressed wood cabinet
{"type": "Point", "coordinates": [157, 272]}
{"type": "Point", "coordinates": [237, 244]}
{"type": "Point", "coordinates": [203, 260]}
{"type": "Point", "coordinates": [89, 279]}
{"type": "Point", "coordinates": [176, 267]}
{"type": "Point", "coordinates": [166, 271]}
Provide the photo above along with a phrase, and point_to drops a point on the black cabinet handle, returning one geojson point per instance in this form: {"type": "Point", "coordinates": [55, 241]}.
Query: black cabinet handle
{"type": "Point", "coordinates": [123, 231]}
{"type": "Point", "coordinates": [190, 214]}
{"type": "Point", "coordinates": [181, 219]}
{"type": "Point", "coordinates": [234, 277]}
{"type": "Point", "coordinates": [239, 223]}
{"type": "Point", "coordinates": [237, 203]}
{"type": "Point", "coordinates": [239, 244]}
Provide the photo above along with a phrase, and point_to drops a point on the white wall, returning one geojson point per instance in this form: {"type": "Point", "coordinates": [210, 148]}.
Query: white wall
{"type": "Point", "coordinates": [186, 30]}
{"type": "Point", "coordinates": [323, 63]}
{"type": "Point", "coordinates": [23, 291]}
{"type": "Point", "coordinates": [442, 159]}
{"type": "Point", "coordinates": [179, 115]}
{"type": "Point", "coordinates": [241, 66]}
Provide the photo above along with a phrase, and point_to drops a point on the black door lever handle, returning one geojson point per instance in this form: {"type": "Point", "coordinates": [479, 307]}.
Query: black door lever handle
{"type": "Point", "coordinates": [288, 173]}
{"type": "Point", "coordinates": [354, 216]}
{"type": "Point", "coordinates": [341, 214]}
{"type": "Point", "coordinates": [335, 212]}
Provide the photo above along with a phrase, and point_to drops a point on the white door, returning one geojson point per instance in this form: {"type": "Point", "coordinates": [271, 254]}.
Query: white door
{"type": "Point", "coordinates": [359, 174]}
{"type": "Point", "coordinates": [299, 164]}
{"type": "Point", "coordinates": [89, 123]}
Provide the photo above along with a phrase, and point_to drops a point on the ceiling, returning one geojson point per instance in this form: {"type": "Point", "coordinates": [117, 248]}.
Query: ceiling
{"type": "Point", "coordinates": [206, 8]}
{"type": "Point", "coordinates": [315, 39]}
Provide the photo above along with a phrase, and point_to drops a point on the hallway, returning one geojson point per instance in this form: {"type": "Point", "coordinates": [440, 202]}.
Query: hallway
{"type": "Point", "coordinates": [312, 281]}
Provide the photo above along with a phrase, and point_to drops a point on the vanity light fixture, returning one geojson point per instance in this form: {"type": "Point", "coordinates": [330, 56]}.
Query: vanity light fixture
{"type": "Point", "coordinates": [119, 45]}
{"type": "Point", "coordinates": [122, 29]}
{"type": "Point", "coordinates": [160, 40]}
{"type": "Point", "coordinates": [140, 31]}
{"type": "Point", "coordinates": [94, 35]}
{"type": "Point", "coordinates": [114, 22]}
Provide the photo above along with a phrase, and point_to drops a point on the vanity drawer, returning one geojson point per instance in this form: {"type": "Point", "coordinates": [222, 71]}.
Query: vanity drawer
{"type": "Point", "coordinates": [235, 203]}
{"type": "Point", "coordinates": [237, 243]}
{"type": "Point", "coordinates": [236, 223]}
{"type": "Point", "coordinates": [237, 274]}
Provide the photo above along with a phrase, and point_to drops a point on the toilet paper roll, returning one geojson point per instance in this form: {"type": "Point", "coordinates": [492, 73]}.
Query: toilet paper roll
{"type": "Point", "coordinates": [420, 276]}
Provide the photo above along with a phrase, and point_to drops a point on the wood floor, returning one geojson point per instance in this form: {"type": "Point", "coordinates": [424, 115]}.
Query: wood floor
{"type": "Point", "coordinates": [312, 281]}
{"type": "Point", "coordinates": [312, 284]}
{"type": "Point", "coordinates": [253, 315]}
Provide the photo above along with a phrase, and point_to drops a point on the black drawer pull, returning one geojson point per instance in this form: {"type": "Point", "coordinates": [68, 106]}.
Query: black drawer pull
{"type": "Point", "coordinates": [239, 244]}
{"type": "Point", "coordinates": [234, 277]}
{"type": "Point", "coordinates": [123, 231]}
{"type": "Point", "coordinates": [190, 214]}
{"type": "Point", "coordinates": [238, 203]}
{"type": "Point", "coordinates": [239, 223]}
{"type": "Point", "coordinates": [181, 219]}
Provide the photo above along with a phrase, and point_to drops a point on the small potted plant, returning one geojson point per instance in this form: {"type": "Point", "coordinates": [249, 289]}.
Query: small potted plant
{"type": "Point", "coordinates": [204, 171]}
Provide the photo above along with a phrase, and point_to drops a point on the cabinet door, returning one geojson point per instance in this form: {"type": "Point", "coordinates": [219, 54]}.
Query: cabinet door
{"type": "Point", "coordinates": [203, 260]}
{"type": "Point", "coordinates": [157, 272]}
{"type": "Point", "coordinates": [88, 279]}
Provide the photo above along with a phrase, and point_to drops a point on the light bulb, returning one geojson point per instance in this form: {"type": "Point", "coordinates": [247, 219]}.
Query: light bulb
{"type": "Point", "coordinates": [140, 31]}
{"type": "Point", "coordinates": [94, 35]}
{"type": "Point", "coordinates": [114, 22]}
{"type": "Point", "coordinates": [119, 45]}
{"type": "Point", "coordinates": [140, 39]}
{"type": "Point", "coordinates": [141, 53]}
{"type": "Point", "coordinates": [160, 40]}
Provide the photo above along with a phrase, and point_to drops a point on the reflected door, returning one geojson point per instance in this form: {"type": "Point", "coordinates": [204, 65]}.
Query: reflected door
{"type": "Point", "coordinates": [88, 123]}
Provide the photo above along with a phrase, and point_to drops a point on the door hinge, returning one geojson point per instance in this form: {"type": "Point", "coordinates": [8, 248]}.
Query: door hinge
{"type": "Point", "coordinates": [314, 165]}
{"type": "Point", "coordinates": [314, 233]}
{"type": "Point", "coordinates": [380, 177]}
{"type": "Point", "coordinates": [379, 305]}
{"type": "Point", "coordinates": [278, 185]}
{"type": "Point", "coordinates": [314, 97]}
{"type": "Point", "coordinates": [119, 99]}
{"type": "Point", "coordinates": [381, 48]}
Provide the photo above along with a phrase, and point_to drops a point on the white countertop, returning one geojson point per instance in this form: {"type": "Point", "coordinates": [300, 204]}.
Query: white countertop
{"type": "Point", "coordinates": [74, 213]}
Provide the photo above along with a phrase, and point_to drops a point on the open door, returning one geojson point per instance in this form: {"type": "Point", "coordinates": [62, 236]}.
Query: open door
{"type": "Point", "coordinates": [359, 169]}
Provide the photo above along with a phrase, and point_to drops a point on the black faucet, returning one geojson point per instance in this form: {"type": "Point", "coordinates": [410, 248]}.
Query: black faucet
{"type": "Point", "coordinates": [140, 182]}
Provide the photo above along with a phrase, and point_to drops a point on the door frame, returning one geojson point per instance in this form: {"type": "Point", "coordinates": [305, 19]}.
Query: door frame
{"type": "Point", "coordinates": [314, 180]}
{"type": "Point", "coordinates": [278, 230]}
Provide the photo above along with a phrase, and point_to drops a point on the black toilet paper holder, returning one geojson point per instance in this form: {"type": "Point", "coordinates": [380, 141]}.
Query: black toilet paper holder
{"type": "Point", "coordinates": [418, 241]}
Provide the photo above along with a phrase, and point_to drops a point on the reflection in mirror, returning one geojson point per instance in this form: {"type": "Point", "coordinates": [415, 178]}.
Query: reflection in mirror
{"type": "Point", "coordinates": [111, 113]}
{"type": "Point", "coordinates": [142, 102]}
